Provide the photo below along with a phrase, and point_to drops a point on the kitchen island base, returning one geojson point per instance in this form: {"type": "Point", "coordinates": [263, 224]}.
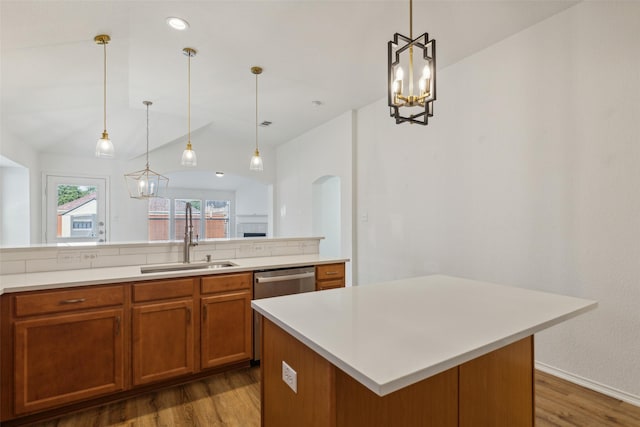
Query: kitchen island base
{"type": "Point", "coordinates": [495, 389]}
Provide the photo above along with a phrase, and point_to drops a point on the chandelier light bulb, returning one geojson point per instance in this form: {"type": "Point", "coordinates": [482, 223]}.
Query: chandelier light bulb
{"type": "Point", "coordinates": [426, 72]}
{"type": "Point", "coordinates": [399, 74]}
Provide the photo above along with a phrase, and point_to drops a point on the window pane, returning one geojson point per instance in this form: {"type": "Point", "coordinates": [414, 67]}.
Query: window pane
{"type": "Point", "coordinates": [77, 210]}
{"type": "Point", "coordinates": [179, 219]}
{"type": "Point", "coordinates": [159, 219]}
{"type": "Point", "coordinates": [217, 218]}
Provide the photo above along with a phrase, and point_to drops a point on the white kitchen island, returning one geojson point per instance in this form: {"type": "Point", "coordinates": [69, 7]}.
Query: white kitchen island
{"type": "Point", "coordinates": [427, 351]}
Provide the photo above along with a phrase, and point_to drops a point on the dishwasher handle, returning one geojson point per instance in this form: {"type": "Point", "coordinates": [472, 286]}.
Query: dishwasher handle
{"type": "Point", "coordinates": [284, 277]}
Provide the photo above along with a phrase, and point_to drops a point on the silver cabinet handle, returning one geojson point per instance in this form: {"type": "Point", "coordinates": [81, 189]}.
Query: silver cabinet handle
{"type": "Point", "coordinates": [72, 301]}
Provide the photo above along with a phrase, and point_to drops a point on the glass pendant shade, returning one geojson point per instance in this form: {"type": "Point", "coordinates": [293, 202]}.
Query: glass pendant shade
{"type": "Point", "coordinates": [145, 183]}
{"type": "Point", "coordinates": [104, 147]}
{"type": "Point", "coordinates": [256, 162]}
{"type": "Point", "coordinates": [189, 156]}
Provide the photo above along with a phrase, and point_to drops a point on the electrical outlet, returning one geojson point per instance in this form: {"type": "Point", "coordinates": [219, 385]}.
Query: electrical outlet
{"type": "Point", "coordinates": [68, 257]}
{"type": "Point", "coordinates": [290, 377]}
{"type": "Point", "coordinates": [90, 256]}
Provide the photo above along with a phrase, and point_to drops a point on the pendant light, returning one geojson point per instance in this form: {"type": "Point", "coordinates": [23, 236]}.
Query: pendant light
{"type": "Point", "coordinates": [256, 160]}
{"type": "Point", "coordinates": [188, 155]}
{"type": "Point", "coordinates": [145, 184]}
{"type": "Point", "coordinates": [416, 107]}
{"type": "Point", "coordinates": [104, 147]}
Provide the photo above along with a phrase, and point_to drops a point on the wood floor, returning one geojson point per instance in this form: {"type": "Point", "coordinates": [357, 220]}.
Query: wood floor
{"type": "Point", "coordinates": [233, 400]}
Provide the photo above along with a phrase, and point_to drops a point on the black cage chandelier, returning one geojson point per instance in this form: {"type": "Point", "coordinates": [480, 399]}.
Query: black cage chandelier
{"type": "Point", "coordinates": [405, 102]}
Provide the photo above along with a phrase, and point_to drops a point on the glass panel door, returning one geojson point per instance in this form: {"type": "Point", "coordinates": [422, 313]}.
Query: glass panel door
{"type": "Point", "coordinates": [76, 209]}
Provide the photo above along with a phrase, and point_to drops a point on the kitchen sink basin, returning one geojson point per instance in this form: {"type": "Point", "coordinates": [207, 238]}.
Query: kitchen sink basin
{"type": "Point", "coordinates": [213, 265]}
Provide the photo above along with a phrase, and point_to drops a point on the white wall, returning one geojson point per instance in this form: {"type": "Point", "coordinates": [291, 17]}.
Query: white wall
{"type": "Point", "coordinates": [325, 150]}
{"type": "Point", "coordinates": [18, 152]}
{"type": "Point", "coordinates": [526, 175]}
{"type": "Point", "coordinates": [14, 200]}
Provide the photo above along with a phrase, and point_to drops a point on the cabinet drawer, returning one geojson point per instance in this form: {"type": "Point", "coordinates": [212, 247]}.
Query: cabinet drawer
{"type": "Point", "coordinates": [67, 300]}
{"type": "Point", "coordinates": [330, 271]}
{"type": "Point", "coordinates": [329, 284]}
{"type": "Point", "coordinates": [163, 289]}
{"type": "Point", "coordinates": [226, 282]}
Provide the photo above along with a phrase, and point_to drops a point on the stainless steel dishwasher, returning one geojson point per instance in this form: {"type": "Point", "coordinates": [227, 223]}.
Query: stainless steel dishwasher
{"type": "Point", "coordinates": [275, 283]}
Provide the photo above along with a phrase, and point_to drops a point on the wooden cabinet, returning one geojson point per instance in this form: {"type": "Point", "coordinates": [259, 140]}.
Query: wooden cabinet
{"type": "Point", "coordinates": [91, 343]}
{"type": "Point", "coordinates": [68, 346]}
{"type": "Point", "coordinates": [162, 330]}
{"type": "Point", "coordinates": [330, 276]}
{"type": "Point", "coordinates": [226, 319]}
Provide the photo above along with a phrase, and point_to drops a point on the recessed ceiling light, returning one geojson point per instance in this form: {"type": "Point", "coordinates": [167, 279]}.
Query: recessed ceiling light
{"type": "Point", "coordinates": [177, 23]}
{"type": "Point", "coordinates": [219, 174]}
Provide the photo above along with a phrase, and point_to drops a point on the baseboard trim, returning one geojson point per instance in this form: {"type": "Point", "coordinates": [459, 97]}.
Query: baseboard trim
{"type": "Point", "coordinates": [590, 384]}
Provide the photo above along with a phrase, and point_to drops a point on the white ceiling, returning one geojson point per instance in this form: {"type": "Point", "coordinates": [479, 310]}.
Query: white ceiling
{"type": "Point", "coordinates": [332, 51]}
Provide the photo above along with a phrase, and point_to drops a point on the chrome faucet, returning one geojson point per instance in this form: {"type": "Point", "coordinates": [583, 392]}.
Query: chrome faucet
{"type": "Point", "coordinates": [188, 233]}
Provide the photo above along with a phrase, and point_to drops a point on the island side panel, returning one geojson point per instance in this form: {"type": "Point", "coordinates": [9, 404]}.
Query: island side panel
{"type": "Point", "coordinates": [432, 402]}
{"type": "Point", "coordinates": [314, 403]}
{"type": "Point", "coordinates": [497, 389]}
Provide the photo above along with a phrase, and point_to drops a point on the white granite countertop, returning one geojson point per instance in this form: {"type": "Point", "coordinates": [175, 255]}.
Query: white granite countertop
{"type": "Point", "coordinates": [391, 335]}
{"type": "Point", "coordinates": [95, 276]}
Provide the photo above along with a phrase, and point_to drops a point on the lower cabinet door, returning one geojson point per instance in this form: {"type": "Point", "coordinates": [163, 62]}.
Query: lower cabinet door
{"type": "Point", "coordinates": [162, 341]}
{"type": "Point", "coordinates": [226, 329]}
{"type": "Point", "coordinates": [66, 358]}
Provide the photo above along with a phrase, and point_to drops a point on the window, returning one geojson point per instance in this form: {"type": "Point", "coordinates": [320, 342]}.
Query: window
{"type": "Point", "coordinates": [167, 218]}
{"type": "Point", "coordinates": [159, 215]}
{"type": "Point", "coordinates": [217, 219]}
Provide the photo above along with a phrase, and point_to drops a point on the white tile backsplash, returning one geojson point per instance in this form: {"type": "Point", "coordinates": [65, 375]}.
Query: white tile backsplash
{"type": "Point", "coordinates": [13, 267]}
{"type": "Point", "coordinates": [38, 259]}
{"type": "Point", "coordinates": [119, 260]}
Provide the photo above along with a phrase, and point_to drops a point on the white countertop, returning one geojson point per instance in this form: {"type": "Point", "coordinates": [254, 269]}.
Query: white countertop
{"type": "Point", "coordinates": [391, 335]}
{"type": "Point", "coordinates": [96, 276]}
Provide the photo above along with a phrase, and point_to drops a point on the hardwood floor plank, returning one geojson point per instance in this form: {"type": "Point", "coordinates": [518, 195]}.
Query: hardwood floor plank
{"type": "Point", "coordinates": [561, 403]}
{"type": "Point", "coordinates": [232, 399]}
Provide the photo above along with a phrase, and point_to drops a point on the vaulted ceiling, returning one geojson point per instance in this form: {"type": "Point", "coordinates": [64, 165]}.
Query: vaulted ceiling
{"type": "Point", "coordinates": [328, 51]}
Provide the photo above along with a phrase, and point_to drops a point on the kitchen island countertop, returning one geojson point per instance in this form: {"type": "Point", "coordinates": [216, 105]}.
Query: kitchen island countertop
{"type": "Point", "coordinates": [390, 335]}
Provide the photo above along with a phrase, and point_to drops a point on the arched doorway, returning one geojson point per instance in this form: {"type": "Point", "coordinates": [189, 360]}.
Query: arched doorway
{"type": "Point", "coordinates": [326, 214]}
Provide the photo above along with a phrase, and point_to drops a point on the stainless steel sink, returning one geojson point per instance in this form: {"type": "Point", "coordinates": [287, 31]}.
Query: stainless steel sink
{"type": "Point", "coordinates": [213, 265]}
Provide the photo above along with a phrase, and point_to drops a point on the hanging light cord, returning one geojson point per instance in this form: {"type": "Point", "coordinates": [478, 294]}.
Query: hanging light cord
{"type": "Point", "coordinates": [147, 135]}
{"type": "Point", "coordinates": [411, 48]}
{"type": "Point", "coordinates": [256, 113]}
{"type": "Point", "coordinates": [189, 99]}
{"type": "Point", "coordinates": [104, 44]}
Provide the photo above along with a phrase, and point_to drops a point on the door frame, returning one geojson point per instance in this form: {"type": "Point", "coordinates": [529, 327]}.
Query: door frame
{"type": "Point", "coordinates": [103, 214]}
